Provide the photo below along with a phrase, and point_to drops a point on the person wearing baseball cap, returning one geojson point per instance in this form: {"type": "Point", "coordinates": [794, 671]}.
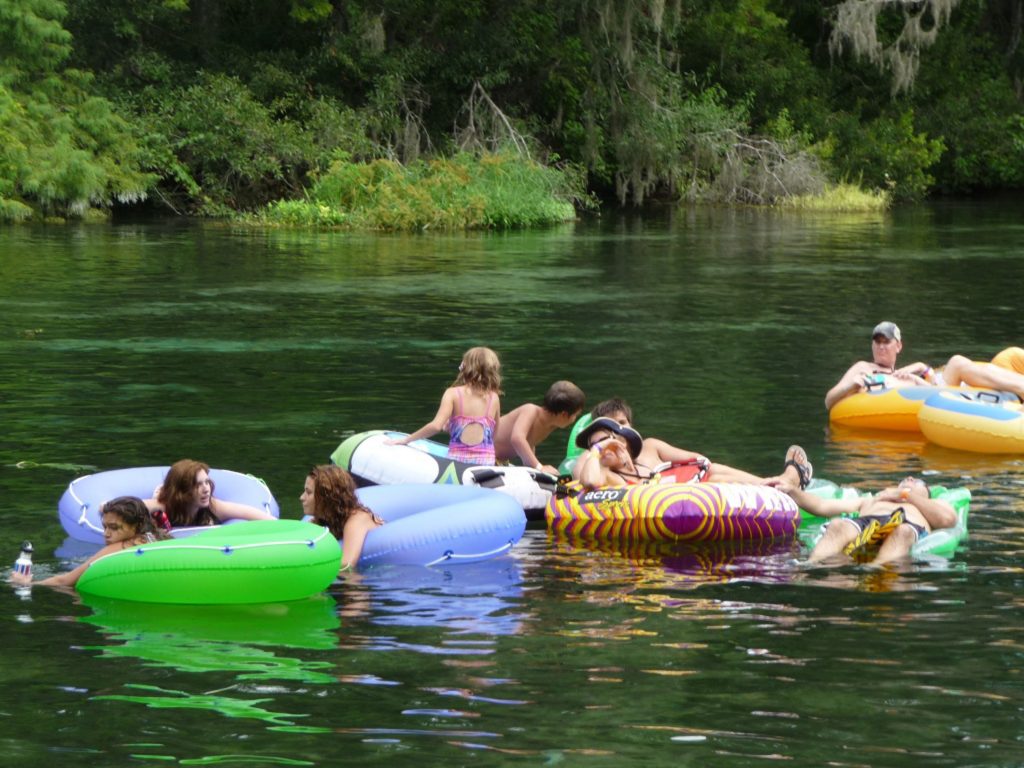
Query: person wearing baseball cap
{"type": "Point", "coordinates": [886, 345]}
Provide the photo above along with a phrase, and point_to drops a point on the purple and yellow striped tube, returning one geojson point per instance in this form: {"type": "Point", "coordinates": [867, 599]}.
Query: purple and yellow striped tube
{"type": "Point", "coordinates": [676, 512]}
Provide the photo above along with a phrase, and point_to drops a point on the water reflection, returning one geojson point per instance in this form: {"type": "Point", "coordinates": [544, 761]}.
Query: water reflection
{"type": "Point", "coordinates": [456, 619]}
{"type": "Point", "coordinates": [467, 599]}
{"type": "Point", "coordinates": [246, 640]}
{"type": "Point", "coordinates": [644, 565]}
{"type": "Point", "coordinates": [870, 453]}
{"type": "Point", "coordinates": [864, 453]}
{"type": "Point", "coordinates": [901, 577]}
{"type": "Point", "coordinates": [229, 706]}
{"type": "Point", "coordinates": [967, 465]}
{"type": "Point", "coordinates": [647, 574]}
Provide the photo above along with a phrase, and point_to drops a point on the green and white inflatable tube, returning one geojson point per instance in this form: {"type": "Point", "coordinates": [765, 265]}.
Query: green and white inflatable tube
{"type": "Point", "coordinates": [939, 543]}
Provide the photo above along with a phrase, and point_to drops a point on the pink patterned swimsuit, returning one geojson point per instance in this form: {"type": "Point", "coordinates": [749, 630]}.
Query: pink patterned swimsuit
{"type": "Point", "coordinates": [480, 453]}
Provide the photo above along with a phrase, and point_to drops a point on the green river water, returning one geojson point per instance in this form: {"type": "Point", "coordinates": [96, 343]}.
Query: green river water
{"type": "Point", "coordinates": [140, 343]}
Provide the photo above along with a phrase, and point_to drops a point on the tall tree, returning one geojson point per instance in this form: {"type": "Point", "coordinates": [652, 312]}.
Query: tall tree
{"type": "Point", "coordinates": [62, 148]}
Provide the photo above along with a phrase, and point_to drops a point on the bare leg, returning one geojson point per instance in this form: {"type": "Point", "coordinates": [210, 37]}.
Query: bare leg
{"type": "Point", "coordinates": [837, 535]}
{"type": "Point", "coordinates": [721, 473]}
{"type": "Point", "coordinates": [896, 545]}
{"type": "Point", "coordinates": [961, 370]}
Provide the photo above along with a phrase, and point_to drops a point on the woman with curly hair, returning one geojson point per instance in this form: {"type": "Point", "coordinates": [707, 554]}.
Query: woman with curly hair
{"type": "Point", "coordinates": [329, 498]}
{"type": "Point", "coordinates": [186, 499]}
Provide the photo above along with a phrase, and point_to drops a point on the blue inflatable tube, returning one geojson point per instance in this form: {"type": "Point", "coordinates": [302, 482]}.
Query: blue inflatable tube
{"type": "Point", "coordinates": [439, 524]}
{"type": "Point", "coordinates": [79, 507]}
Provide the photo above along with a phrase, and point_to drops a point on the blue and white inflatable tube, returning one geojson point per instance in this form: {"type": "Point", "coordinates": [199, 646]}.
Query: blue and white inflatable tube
{"type": "Point", "coordinates": [439, 524]}
{"type": "Point", "coordinates": [79, 507]}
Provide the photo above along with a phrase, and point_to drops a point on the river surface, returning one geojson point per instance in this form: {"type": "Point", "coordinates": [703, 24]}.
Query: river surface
{"type": "Point", "coordinates": [141, 343]}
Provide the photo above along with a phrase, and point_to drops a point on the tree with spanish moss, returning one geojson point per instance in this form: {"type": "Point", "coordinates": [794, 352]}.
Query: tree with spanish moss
{"type": "Point", "coordinates": [863, 27]}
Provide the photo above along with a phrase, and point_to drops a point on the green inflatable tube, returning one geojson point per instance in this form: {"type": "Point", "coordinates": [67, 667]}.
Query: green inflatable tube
{"type": "Point", "coordinates": [573, 451]}
{"type": "Point", "coordinates": [259, 561]}
{"type": "Point", "coordinates": [942, 542]}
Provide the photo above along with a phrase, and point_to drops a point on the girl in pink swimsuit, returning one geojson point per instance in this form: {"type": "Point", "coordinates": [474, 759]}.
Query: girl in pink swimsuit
{"type": "Point", "coordinates": [469, 409]}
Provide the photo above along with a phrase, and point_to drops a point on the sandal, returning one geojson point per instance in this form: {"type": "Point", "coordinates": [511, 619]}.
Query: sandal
{"type": "Point", "coordinates": [796, 457]}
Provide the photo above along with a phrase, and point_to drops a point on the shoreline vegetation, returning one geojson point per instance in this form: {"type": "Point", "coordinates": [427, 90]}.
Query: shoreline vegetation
{"type": "Point", "coordinates": [490, 191]}
{"type": "Point", "coordinates": [446, 114]}
{"type": "Point", "coordinates": [839, 198]}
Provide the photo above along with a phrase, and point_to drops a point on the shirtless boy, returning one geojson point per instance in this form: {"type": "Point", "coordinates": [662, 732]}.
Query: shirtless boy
{"type": "Point", "coordinates": [521, 430]}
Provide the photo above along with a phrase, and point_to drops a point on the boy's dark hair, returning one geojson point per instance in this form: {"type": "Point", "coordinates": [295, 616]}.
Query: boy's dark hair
{"type": "Point", "coordinates": [610, 406]}
{"type": "Point", "coordinates": [564, 397]}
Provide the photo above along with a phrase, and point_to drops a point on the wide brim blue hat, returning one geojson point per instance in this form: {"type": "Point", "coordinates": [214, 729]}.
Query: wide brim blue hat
{"type": "Point", "coordinates": [634, 441]}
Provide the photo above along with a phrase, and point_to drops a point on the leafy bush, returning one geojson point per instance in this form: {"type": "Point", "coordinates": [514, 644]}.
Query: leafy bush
{"type": "Point", "coordinates": [965, 95]}
{"type": "Point", "coordinates": [12, 210]}
{"type": "Point", "coordinates": [466, 191]}
{"type": "Point", "coordinates": [223, 146]}
{"type": "Point", "coordinates": [302, 213]}
{"type": "Point", "coordinates": [220, 150]}
{"type": "Point", "coordinates": [888, 154]}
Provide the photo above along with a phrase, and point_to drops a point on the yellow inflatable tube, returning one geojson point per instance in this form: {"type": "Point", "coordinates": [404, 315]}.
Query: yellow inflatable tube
{"type": "Point", "coordinates": [883, 408]}
{"type": "Point", "coordinates": [897, 408]}
{"type": "Point", "coordinates": [962, 421]}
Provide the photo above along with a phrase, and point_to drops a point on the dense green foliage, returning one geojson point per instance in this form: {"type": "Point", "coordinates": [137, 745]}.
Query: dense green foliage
{"type": "Point", "coordinates": [63, 148]}
{"type": "Point", "coordinates": [219, 106]}
{"type": "Point", "coordinates": [496, 191]}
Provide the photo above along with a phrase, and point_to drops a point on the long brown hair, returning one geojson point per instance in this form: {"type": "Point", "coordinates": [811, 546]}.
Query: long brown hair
{"type": "Point", "coordinates": [334, 498]}
{"type": "Point", "coordinates": [178, 491]}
